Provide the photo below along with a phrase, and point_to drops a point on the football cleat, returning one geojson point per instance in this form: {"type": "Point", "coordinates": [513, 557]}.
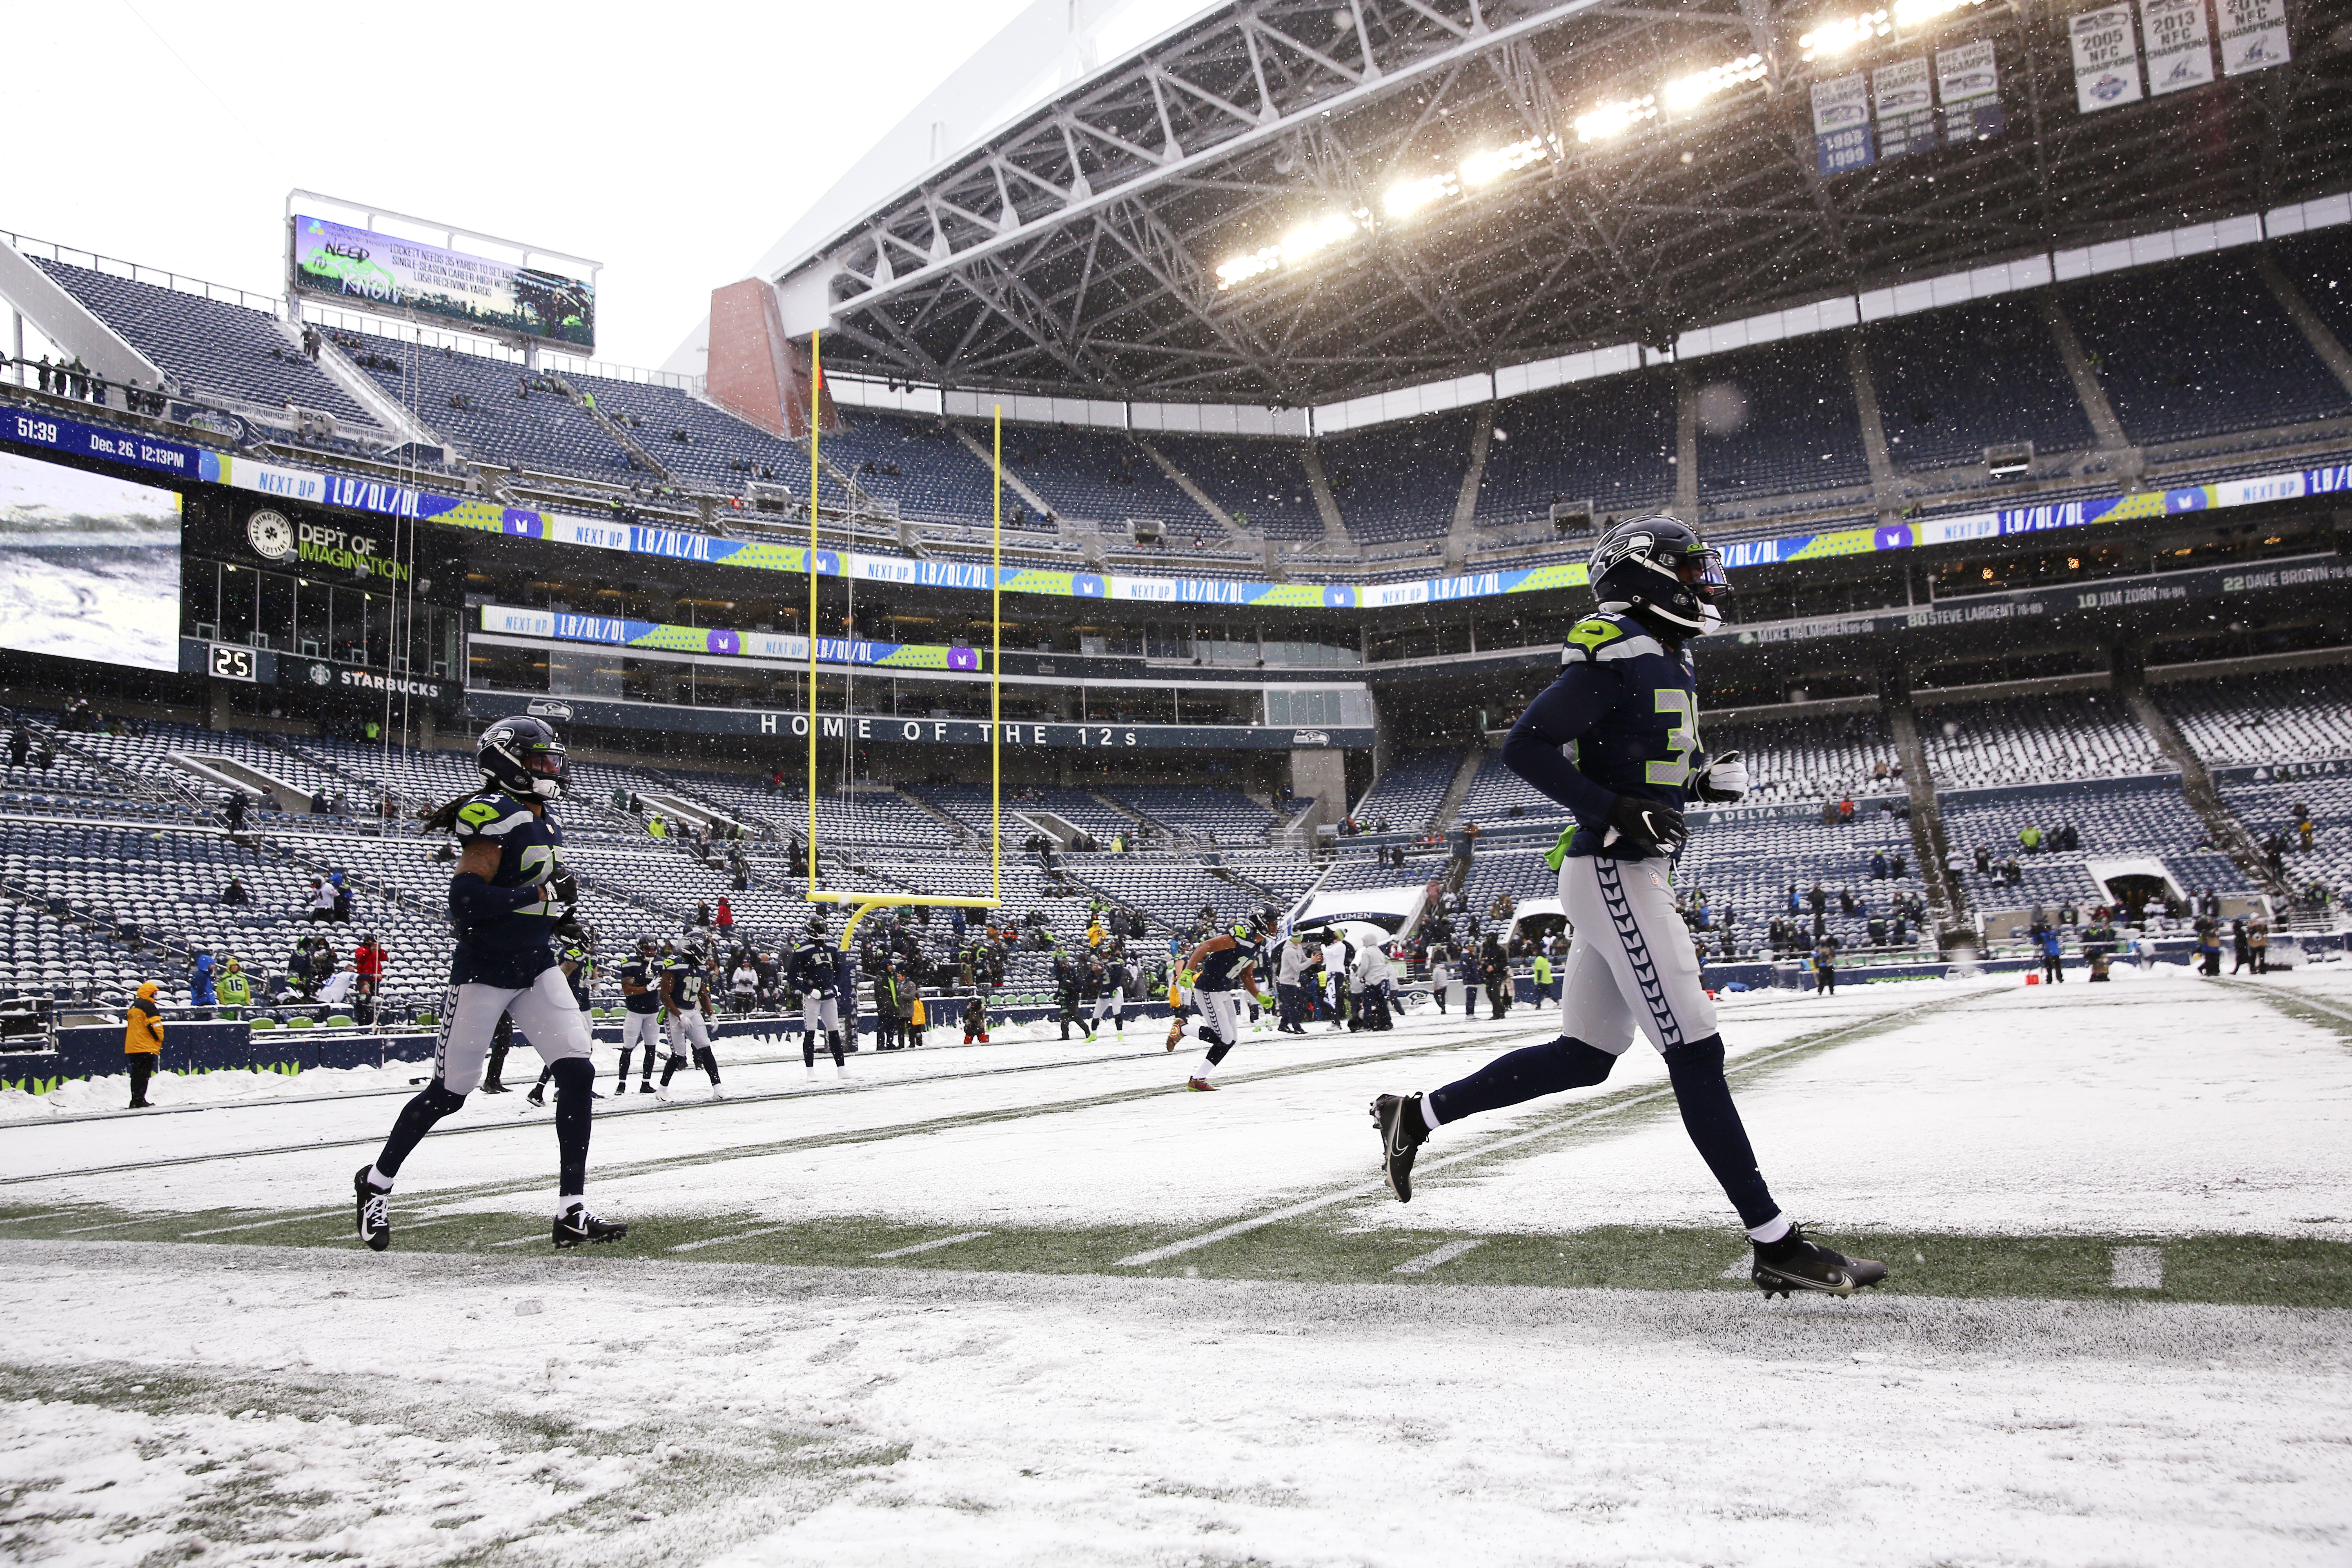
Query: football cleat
{"type": "Point", "coordinates": [1793, 1263]}
{"type": "Point", "coordinates": [375, 1211]}
{"type": "Point", "coordinates": [718, 1091]}
{"type": "Point", "coordinates": [1403, 1131]}
{"type": "Point", "coordinates": [647, 1087]}
{"type": "Point", "coordinates": [579, 1225]}
{"type": "Point", "coordinates": [1199, 1084]}
{"type": "Point", "coordinates": [1175, 1032]}
{"type": "Point", "coordinates": [537, 1094]}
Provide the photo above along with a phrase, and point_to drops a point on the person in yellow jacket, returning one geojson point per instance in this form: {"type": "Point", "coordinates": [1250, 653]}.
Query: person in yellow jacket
{"type": "Point", "coordinates": [143, 1041]}
{"type": "Point", "coordinates": [234, 990]}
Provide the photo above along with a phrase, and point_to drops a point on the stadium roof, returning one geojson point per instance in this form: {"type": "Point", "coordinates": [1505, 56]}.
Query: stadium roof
{"type": "Point", "coordinates": [1401, 191]}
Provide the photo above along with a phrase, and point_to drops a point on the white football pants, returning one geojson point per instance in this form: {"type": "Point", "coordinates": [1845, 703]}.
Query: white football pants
{"type": "Point", "coordinates": [544, 1011]}
{"type": "Point", "coordinates": [1630, 964]}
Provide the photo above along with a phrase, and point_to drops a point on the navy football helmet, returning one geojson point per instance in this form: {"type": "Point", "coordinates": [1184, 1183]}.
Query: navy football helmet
{"type": "Point", "coordinates": [1660, 564]}
{"type": "Point", "coordinates": [522, 756]}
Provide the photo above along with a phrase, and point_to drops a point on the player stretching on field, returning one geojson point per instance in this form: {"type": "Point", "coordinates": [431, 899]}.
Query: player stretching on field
{"type": "Point", "coordinates": [641, 1005]}
{"type": "Point", "coordinates": [510, 891]}
{"type": "Point", "coordinates": [1224, 968]}
{"type": "Point", "coordinates": [1615, 739]}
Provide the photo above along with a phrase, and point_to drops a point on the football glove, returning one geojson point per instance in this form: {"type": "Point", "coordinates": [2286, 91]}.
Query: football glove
{"type": "Point", "coordinates": [558, 894]}
{"type": "Point", "coordinates": [1649, 823]}
{"type": "Point", "coordinates": [1725, 778]}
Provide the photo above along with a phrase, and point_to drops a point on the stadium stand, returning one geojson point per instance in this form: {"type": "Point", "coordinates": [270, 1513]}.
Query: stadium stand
{"type": "Point", "coordinates": [2137, 817]}
{"type": "Point", "coordinates": [1097, 474]}
{"type": "Point", "coordinates": [2040, 739]}
{"type": "Point", "coordinates": [481, 405]}
{"type": "Point", "coordinates": [214, 348]}
{"type": "Point", "coordinates": [2295, 715]}
{"type": "Point", "coordinates": [2200, 349]}
{"type": "Point", "coordinates": [1812, 759]}
{"type": "Point", "coordinates": [1406, 797]}
{"type": "Point", "coordinates": [1261, 481]}
{"type": "Point", "coordinates": [1778, 420]}
{"type": "Point", "coordinates": [1612, 442]}
{"type": "Point", "coordinates": [1400, 481]}
{"type": "Point", "coordinates": [1219, 815]}
{"type": "Point", "coordinates": [1951, 383]}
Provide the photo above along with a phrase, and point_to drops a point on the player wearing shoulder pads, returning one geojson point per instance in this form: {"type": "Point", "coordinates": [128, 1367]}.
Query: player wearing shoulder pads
{"type": "Point", "coordinates": [641, 1012]}
{"type": "Point", "coordinates": [815, 968]}
{"type": "Point", "coordinates": [1615, 739]}
{"type": "Point", "coordinates": [1223, 970]}
{"type": "Point", "coordinates": [509, 893]}
{"type": "Point", "coordinates": [685, 985]}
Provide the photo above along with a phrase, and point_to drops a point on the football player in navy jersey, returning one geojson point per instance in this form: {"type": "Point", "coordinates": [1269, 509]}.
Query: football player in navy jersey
{"type": "Point", "coordinates": [824, 978]}
{"type": "Point", "coordinates": [1615, 739]}
{"type": "Point", "coordinates": [685, 984]}
{"type": "Point", "coordinates": [1224, 969]}
{"type": "Point", "coordinates": [509, 892]}
{"type": "Point", "coordinates": [641, 1012]}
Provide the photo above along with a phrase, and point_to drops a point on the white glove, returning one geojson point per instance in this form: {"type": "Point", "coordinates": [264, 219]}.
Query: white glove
{"type": "Point", "coordinates": [1725, 778]}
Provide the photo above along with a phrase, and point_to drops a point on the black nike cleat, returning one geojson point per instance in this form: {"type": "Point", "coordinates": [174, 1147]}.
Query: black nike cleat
{"type": "Point", "coordinates": [538, 1096]}
{"type": "Point", "coordinates": [375, 1211]}
{"type": "Point", "coordinates": [1793, 1263]}
{"type": "Point", "coordinates": [1403, 1129]}
{"type": "Point", "coordinates": [580, 1225]}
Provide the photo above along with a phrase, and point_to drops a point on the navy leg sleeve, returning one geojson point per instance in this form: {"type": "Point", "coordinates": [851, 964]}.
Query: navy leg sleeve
{"type": "Point", "coordinates": [1559, 1065]}
{"type": "Point", "coordinates": [575, 1089]}
{"type": "Point", "coordinates": [426, 1107]}
{"type": "Point", "coordinates": [1713, 1123]}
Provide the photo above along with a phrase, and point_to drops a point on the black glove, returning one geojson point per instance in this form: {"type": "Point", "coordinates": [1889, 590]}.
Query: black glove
{"type": "Point", "coordinates": [563, 888]}
{"type": "Point", "coordinates": [1647, 823]}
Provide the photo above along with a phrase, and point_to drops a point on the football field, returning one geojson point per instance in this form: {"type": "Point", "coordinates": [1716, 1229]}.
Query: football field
{"type": "Point", "coordinates": [1031, 1302]}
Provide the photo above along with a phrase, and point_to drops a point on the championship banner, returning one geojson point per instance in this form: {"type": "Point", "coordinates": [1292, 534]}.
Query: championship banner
{"type": "Point", "coordinates": [2106, 59]}
{"type": "Point", "coordinates": [2179, 45]}
{"type": "Point", "coordinates": [374, 271]}
{"type": "Point", "coordinates": [1968, 82]}
{"type": "Point", "coordinates": [1905, 101]}
{"type": "Point", "coordinates": [2254, 36]}
{"type": "Point", "coordinates": [1841, 125]}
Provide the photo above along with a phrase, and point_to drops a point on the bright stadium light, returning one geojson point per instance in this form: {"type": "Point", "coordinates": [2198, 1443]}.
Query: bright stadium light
{"type": "Point", "coordinates": [1687, 92]}
{"type": "Point", "coordinates": [1295, 246]}
{"type": "Point", "coordinates": [1918, 13]}
{"type": "Point", "coordinates": [1834, 37]}
{"type": "Point", "coordinates": [1410, 196]}
{"type": "Point", "coordinates": [1615, 119]}
{"type": "Point", "coordinates": [1484, 168]}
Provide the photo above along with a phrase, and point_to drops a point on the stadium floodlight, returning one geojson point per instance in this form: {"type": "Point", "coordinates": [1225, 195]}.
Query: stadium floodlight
{"type": "Point", "coordinates": [1410, 196]}
{"type": "Point", "coordinates": [1685, 93]}
{"type": "Point", "coordinates": [1484, 168]}
{"type": "Point", "coordinates": [1919, 13]}
{"type": "Point", "coordinates": [1836, 38]}
{"type": "Point", "coordinates": [1615, 119]}
{"type": "Point", "coordinates": [1294, 247]}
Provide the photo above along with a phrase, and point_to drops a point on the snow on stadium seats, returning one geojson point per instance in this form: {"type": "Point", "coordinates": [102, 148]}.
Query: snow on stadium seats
{"type": "Point", "coordinates": [2043, 738]}
{"type": "Point", "coordinates": [1408, 794]}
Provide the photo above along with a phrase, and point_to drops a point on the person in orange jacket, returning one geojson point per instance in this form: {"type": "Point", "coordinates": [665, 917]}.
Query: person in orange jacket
{"type": "Point", "coordinates": [143, 1041]}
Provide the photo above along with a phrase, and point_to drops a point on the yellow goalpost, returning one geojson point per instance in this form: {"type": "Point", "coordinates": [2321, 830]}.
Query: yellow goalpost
{"type": "Point", "coordinates": [865, 903]}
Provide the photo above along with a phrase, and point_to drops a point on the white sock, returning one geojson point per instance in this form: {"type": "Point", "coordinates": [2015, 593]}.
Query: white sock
{"type": "Point", "coordinates": [569, 1204]}
{"type": "Point", "coordinates": [378, 1180]}
{"type": "Point", "coordinates": [1202, 1071]}
{"type": "Point", "coordinates": [1428, 1114]}
{"type": "Point", "coordinates": [1772, 1230]}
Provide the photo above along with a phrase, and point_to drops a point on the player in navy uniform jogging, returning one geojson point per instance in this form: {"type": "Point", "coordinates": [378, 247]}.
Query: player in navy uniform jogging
{"type": "Point", "coordinates": [685, 983]}
{"type": "Point", "coordinates": [1615, 739]}
{"type": "Point", "coordinates": [815, 971]}
{"type": "Point", "coordinates": [641, 1008]}
{"type": "Point", "coordinates": [509, 893]}
{"type": "Point", "coordinates": [1224, 969]}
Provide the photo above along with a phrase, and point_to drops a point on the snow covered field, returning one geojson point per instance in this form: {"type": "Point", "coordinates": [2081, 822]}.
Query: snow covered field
{"type": "Point", "coordinates": [1029, 1303]}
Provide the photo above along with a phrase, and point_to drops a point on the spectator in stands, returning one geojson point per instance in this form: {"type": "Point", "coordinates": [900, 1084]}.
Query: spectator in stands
{"type": "Point", "coordinates": [2011, 872]}
{"type": "Point", "coordinates": [143, 1041]}
{"type": "Point", "coordinates": [368, 961]}
{"type": "Point", "coordinates": [2031, 837]}
{"type": "Point", "coordinates": [1879, 773]}
{"type": "Point", "coordinates": [1897, 864]}
{"type": "Point", "coordinates": [1795, 906]}
{"type": "Point", "coordinates": [235, 892]}
{"type": "Point", "coordinates": [725, 918]}
{"type": "Point", "coordinates": [1984, 859]}
{"type": "Point", "coordinates": [20, 744]}
{"type": "Point", "coordinates": [1845, 812]}
{"type": "Point", "coordinates": [234, 809]}
{"type": "Point", "coordinates": [200, 979]}
{"type": "Point", "coordinates": [320, 902]}
{"type": "Point", "coordinates": [1877, 866]}
{"type": "Point", "coordinates": [342, 898]}
{"type": "Point", "coordinates": [2068, 914]}
{"type": "Point", "coordinates": [1846, 905]}
{"type": "Point", "coordinates": [234, 990]}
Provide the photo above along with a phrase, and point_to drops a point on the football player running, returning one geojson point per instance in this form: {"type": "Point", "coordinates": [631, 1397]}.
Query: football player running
{"type": "Point", "coordinates": [1615, 739]}
{"type": "Point", "coordinates": [507, 895]}
{"type": "Point", "coordinates": [685, 982]}
{"type": "Point", "coordinates": [1224, 969]}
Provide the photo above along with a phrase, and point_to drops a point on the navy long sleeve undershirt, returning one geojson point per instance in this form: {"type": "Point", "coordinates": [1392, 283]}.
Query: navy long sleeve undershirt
{"type": "Point", "coordinates": [1562, 713]}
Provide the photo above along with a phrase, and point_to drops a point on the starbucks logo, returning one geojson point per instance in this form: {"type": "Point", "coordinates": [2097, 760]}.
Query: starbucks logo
{"type": "Point", "coordinates": [271, 534]}
{"type": "Point", "coordinates": [320, 675]}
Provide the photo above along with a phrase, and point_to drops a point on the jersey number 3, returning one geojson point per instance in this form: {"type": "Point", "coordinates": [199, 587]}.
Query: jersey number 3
{"type": "Point", "coordinates": [1682, 738]}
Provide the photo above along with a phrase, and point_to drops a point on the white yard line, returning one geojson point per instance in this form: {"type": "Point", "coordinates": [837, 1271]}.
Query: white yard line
{"type": "Point", "coordinates": [53, 1214]}
{"type": "Point", "coordinates": [118, 1225]}
{"type": "Point", "coordinates": [930, 1245]}
{"type": "Point", "coordinates": [257, 1225]}
{"type": "Point", "coordinates": [723, 1240]}
{"type": "Point", "coordinates": [2136, 1268]}
{"type": "Point", "coordinates": [1440, 1257]}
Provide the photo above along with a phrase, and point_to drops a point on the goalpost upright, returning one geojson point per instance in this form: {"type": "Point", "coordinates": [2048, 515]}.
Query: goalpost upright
{"type": "Point", "coordinates": [865, 903]}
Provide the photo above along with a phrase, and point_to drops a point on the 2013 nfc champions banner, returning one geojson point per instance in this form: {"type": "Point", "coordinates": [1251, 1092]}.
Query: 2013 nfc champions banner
{"type": "Point", "coordinates": [373, 270]}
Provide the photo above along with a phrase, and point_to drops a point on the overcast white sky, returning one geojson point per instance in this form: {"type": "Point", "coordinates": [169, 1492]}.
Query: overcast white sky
{"type": "Point", "coordinates": [672, 141]}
